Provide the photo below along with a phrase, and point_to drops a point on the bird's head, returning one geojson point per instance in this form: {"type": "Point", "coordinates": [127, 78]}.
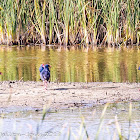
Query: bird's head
{"type": "Point", "coordinates": [43, 65]}
{"type": "Point", "coordinates": [47, 66]}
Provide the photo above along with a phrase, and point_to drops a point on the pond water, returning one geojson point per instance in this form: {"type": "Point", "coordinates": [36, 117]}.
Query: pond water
{"type": "Point", "coordinates": [75, 64]}
{"type": "Point", "coordinates": [56, 126]}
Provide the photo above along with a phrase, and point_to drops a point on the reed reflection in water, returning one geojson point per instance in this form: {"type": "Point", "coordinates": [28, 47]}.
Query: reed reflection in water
{"type": "Point", "coordinates": [71, 64]}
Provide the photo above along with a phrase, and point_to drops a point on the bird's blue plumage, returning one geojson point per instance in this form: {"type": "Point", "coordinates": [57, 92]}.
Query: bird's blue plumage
{"type": "Point", "coordinates": [139, 68]}
{"type": "Point", "coordinates": [44, 72]}
{"type": "Point", "coordinates": [41, 68]}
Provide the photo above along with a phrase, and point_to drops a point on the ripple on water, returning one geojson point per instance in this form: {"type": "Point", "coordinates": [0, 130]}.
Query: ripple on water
{"type": "Point", "coordinates": [24, 121]}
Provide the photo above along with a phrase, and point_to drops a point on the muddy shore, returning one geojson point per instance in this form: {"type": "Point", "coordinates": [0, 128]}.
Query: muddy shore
{"type": "Point", "coordinates": [66, 95]}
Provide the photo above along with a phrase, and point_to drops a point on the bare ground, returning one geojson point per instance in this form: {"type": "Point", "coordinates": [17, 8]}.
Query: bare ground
{"type": "Point", "coordinates": [66, 95]}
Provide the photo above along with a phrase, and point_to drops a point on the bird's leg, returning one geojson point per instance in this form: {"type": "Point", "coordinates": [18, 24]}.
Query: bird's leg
{"type": "Point", "coordinates": [45, 84]}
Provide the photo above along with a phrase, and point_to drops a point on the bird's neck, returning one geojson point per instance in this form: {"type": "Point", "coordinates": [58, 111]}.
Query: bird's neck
{"type": "Point", "coordinates": [46, 69]}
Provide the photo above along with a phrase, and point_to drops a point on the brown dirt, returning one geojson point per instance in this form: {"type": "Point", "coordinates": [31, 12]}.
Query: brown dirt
{"type": "Point", "coordinates": [66, 95]}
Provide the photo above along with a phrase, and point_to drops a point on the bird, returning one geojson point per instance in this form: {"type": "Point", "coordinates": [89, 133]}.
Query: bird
{"type": "Point", "coordinates": [45, 73]}
{"type": "Point", "coordinates": [41, 67]}
{"type": "Point", "coordinates": [139, 68]}
{"type": "Point", "coordinates": [0, 73]}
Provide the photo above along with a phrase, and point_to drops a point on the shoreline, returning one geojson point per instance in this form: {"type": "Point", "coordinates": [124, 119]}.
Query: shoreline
{"type": "Point", "coordinates": [65, 95]}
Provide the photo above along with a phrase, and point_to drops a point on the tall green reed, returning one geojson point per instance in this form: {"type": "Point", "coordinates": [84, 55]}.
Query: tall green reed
{"type": "Point", "coordinates": [40, 17]}
{"type": "Point", "coordinates": [132, 19]}
{"type": "Point", "coordinates": [110, 12]}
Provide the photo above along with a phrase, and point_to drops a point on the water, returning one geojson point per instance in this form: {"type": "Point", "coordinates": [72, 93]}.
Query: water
{"type": "Point", "coordinates": [71, 64]}
{"type": "Point", "coordinates": [23, 124]}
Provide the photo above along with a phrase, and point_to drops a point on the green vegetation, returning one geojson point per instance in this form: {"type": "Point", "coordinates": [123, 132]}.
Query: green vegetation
{"type": "Point", "coordinates": [64, 22]}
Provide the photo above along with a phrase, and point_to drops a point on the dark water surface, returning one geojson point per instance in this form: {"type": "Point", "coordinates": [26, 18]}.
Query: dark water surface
{"type": "Point", "coordinates": [71, 64]}
{"type": "Point", "coordinates": [58, 126]}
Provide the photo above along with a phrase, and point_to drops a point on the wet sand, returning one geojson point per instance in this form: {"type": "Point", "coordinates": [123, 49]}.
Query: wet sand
{"type": "Point", "coordinates": [66, 95]}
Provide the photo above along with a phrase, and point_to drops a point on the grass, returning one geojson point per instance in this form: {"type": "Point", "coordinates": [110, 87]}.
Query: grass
{"type": "Point", "coordinates": [112, 22]}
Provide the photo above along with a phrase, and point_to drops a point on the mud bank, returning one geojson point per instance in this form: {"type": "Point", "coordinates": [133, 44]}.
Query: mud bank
{"type": "Point", "coordinates": [66, 95]}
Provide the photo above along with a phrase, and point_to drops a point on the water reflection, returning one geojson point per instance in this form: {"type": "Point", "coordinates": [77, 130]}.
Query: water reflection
{"type": "Point", "coordinates": [71, 64]}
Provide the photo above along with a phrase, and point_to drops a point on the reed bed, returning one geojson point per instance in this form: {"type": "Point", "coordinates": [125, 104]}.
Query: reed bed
{"type": "Point", "coordinates": [70, 22]}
